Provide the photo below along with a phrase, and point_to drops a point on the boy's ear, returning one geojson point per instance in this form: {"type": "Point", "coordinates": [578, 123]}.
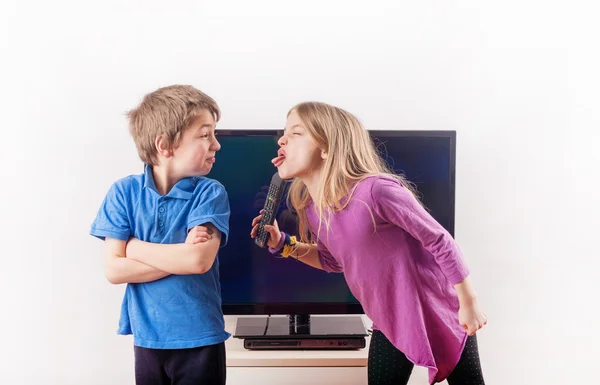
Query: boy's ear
{"type": "Point", "coordinates": [162, 148]}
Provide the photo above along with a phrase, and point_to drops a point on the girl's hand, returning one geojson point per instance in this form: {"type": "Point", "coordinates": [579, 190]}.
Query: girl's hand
{"type": "Point", "coordinates": [198, 234]}
{"type": "Point", "coordinates": [275, 234]}
{"type": "Point", "coordinates": [471, 317]}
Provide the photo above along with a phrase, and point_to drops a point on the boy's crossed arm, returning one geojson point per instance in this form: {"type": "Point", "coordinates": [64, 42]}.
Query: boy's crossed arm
{"type": "Point", "coordinates": [119, 269]}
{"type": "Point", "coordinates": [122, 266]}
{"type": "Point", "coordinates": [196, 256]}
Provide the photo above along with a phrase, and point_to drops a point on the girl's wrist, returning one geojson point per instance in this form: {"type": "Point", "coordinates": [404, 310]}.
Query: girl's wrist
{"type": "Point", "coordinates": [277, 249]}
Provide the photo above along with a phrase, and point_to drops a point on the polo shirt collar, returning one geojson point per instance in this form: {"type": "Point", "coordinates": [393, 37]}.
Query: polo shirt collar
{"type": "Point", "coordinates": [184, 189]}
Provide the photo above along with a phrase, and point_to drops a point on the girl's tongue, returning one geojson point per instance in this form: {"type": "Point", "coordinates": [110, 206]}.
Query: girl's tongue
{"type": "Point", "coordinates": [280, 158]}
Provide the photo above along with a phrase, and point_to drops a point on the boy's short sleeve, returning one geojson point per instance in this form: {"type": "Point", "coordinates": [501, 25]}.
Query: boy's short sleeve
{"type": "Point", "coordinates": [111, 220]}
{"type": "Point", "coordinates": [212, 205]}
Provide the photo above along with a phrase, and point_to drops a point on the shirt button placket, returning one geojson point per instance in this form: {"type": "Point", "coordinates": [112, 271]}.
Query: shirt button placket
{"type": "Point", "coordinates": [161, 218]}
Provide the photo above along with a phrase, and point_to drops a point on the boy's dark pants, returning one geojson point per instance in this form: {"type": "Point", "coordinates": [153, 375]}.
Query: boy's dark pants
{"type": "Point", "coordinates": [204, 365]}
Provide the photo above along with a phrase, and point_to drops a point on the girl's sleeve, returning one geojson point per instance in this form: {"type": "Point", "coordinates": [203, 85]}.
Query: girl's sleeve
{"type": "Point", "coordinates": [395, 204]}
{"type": "Point", "coordinates": [328, 262]}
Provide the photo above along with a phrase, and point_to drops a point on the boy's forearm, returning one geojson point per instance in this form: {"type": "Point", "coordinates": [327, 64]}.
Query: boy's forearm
{"type": "Point", "coordinates": [123, 270]}
{"type": "Point", "coordinates": [180, 258]}
{"type": "Point", "coordinates": [119, 269]}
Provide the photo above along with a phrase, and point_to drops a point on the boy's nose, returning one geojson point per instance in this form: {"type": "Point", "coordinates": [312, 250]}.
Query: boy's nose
{"type": "Point", "coordinates": [282, 141]}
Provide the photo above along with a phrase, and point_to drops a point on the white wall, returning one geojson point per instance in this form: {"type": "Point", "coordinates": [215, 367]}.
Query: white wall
{"type": "Point", "coordinates": [518, 80]}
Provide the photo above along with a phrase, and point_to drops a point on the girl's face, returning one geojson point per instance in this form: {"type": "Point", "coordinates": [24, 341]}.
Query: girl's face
{"type": "Point", "coordinates": [298, 156]}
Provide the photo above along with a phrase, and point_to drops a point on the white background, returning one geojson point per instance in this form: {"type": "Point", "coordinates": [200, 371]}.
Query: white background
{"type": "Point", "coordinates": [518, 80]}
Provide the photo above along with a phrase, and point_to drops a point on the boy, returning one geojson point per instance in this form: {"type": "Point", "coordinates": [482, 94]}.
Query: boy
{"type": "Point", "coordinates": [162, 230]}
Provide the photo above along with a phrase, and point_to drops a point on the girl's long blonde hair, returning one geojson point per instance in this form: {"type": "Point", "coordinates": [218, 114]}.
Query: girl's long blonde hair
{"type": "Point", "coordinates": [351, 157]}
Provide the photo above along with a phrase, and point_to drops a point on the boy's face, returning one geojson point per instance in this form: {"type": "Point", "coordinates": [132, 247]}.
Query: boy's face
{"type": "Point", "coordinates": [195, 154]}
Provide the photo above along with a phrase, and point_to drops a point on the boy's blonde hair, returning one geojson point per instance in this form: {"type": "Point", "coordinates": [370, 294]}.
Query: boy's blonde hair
{"type": "Point", "coordinates": [167, 111]}
{"type": "Point", "coordinates": [351, 157]}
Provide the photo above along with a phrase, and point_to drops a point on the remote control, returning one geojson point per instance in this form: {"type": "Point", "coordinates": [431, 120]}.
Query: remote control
{"type": "Point", "coordinates": [270, 210]}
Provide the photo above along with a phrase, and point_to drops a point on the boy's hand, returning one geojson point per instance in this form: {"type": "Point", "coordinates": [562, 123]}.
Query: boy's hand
{"type": "Point", "coordinates": [275, 234]}
{"type": "Point", "coordinates": [198, 234]}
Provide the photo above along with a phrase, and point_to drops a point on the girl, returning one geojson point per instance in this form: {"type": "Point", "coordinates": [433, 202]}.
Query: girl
{"type": "Point", "coordinates": [405, 269]}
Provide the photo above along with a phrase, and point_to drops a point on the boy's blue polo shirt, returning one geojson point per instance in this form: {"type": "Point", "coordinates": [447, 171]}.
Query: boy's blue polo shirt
{"type": "Point", "coordinates": [178, 311]}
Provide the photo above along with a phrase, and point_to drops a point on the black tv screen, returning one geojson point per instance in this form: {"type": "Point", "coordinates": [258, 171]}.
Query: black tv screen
{"type": "Point", "coordinates": [255, 282]}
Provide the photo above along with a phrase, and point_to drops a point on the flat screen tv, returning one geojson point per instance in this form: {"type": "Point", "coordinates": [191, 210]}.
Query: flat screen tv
{"type": "Point", "coordinates": [255, 282]}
